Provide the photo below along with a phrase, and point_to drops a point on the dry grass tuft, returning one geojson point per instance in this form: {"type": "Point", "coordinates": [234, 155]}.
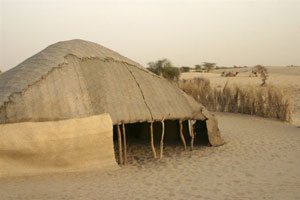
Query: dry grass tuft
{"type": "Point", "coordinates": [267, 101]}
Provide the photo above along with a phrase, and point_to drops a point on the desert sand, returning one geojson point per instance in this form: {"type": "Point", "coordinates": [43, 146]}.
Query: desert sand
{"type": "Point", "coordinates": [260, 160]}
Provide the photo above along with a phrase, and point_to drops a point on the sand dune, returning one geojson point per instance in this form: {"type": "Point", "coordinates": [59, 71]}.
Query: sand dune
{"type": "Point", "coordinates": [259, 161]}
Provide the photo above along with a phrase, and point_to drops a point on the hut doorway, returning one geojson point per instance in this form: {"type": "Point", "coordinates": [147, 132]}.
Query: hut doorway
{"type": "Point", "coordinates": [138, 139]}
{"type": "Point", "coordinates": [200, 130]}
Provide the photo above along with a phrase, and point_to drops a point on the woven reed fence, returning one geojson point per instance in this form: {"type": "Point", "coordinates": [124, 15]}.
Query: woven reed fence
{"type": "Point", "coordinates": [267, 101]}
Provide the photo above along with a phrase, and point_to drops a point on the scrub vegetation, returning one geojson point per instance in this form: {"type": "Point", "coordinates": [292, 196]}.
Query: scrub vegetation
{"type": "Point", "coordinates": [265, 101]}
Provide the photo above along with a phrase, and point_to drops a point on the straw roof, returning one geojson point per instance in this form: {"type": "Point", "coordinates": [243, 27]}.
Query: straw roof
{"type": "Point", "coordinates": [76, 78]}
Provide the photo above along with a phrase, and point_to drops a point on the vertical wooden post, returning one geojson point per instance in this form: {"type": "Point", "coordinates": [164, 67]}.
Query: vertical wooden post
{"type": "Point", "coordinates": [181, 134]}
{"type": "Point", "coordinates": [152, 140]}
{"type": "Point", "coordinates": [192, 135]}
{"type": "Point", "coordinates": [120, 145]}
{"type": "Point", "coordinates": [124, 142]}
{"type": "Point", "coordinates": [162, 138]}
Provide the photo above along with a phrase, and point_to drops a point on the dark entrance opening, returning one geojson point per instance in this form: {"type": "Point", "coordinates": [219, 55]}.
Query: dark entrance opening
{"type": "Point", "coordinates": [200, 130]}
{"type": "Point", "coordinates": [138, 138]}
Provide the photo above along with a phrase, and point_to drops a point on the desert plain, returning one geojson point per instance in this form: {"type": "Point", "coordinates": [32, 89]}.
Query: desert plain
{"type": "Point", "coordinates": [259, 160]}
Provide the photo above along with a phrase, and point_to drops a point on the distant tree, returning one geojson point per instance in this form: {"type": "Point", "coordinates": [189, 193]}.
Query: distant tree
{"type": "Point", "coordinates": [209, 66]}
{"type": "Point", "coordinates": [171, 73]}
{"type": "Point", "coordinates": [184, 69]}
{"type": "Point", "coordinates": [263, 71]}
{"type": "Point", "coordinates": [157, 67]}
{"type": "Point", "coordinates": [198, 67]}
{"type": "Point", "coordinates": [164, 68]}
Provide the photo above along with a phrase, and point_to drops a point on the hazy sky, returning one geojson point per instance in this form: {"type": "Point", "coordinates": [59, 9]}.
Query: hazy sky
{"type": "Point", "coordinates": [187, 32]}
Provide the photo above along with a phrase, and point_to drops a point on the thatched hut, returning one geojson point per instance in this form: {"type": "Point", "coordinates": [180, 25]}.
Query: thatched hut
{"type": "Point", "coordinates": [76, 79]}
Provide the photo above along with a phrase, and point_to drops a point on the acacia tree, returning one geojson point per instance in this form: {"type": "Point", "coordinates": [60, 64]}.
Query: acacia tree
{"type": "Point", "coordinates": [171, 73]}
{"type": "Point", "coordinates": [208, 66]}
{"type": "Point", "coordinates": [164, 68]}
{"type": "Point", "coordinates": [185, 69]}
{"type": "Point", "coordinates": [198, 67]}
{"type": "Point", "coordinates": [157, 66]}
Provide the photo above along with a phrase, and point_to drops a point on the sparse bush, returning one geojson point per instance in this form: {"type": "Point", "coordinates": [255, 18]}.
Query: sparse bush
{"type": "Point", "coordinates": [292, 66]}
{"type": "Point", "coordinates": [222, 67]}
{"type": "Point", "coordinates": [198, 67]}
{"type": "Point", "coordinates": [209, 66]}
{"type": "Point", "coordinates": [269, 101]}
{"type": "Point", "coordinates": [164, 68]}
{"type": "Point", "coordinates": [185, 69]}
{"type": "Point", "coordinates": [263, 72]}
{"type": "Point", "coordinates": [171, 73]}
{"type": "Point", "coordinates": [157, 67]}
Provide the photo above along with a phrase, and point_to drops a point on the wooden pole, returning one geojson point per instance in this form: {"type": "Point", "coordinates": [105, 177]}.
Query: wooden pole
{"type": "Point", "coordinates": [192, 135]}
{"type": "Point", "coordinates": [152, 140]}
{"type": "Point", "coordinates": [162, 138]}
{"type": "Point", "coordinates": [120, 145]}
{"type": "Point", "coordinates": [124, 142]}
{"type": "Point", "coordinates": [181, 134]}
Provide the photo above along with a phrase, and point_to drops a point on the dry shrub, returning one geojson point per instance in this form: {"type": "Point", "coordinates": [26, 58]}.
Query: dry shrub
{"type": "Point", "coordinates": [267, 101]}
{"type": "Point", "coordinates": [263, 73]}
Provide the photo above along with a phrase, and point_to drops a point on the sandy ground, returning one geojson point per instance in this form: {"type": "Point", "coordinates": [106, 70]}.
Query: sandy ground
{"type": "Point", "coordinates": [285, 77]}
{"type": "Point", "coordinates": [259, 161]}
